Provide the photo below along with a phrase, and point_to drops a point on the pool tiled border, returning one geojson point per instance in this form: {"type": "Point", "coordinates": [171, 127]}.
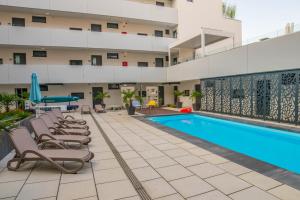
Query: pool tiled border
{"type": "Point", "coordinates": [274, 172]}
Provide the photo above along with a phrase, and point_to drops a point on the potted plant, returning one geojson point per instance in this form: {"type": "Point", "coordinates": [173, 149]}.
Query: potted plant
{"type": "Point", "coordinates": [101, 96]}
{"type": "Point", "coordinates": [194, 96]}
{"type": "Point", "coordinates": [177, 95]}
{"type": "Point", "coordinates": [128, 96]}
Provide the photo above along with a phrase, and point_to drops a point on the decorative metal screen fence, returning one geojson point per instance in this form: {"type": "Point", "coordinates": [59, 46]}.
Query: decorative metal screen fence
{"type": "Point", "coordinates": [269, 96]}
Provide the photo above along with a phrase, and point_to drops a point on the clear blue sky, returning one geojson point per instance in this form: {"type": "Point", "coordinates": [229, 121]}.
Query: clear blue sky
{"type": "Point", "coordinates": [263, 16]}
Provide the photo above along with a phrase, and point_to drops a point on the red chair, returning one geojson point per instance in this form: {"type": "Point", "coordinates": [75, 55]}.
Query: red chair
{"type": "Point", "coordinates": [186, 110]}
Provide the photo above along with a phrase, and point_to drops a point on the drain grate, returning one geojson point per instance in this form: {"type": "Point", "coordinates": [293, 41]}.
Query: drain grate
{"type": "Point", "coordinates": [135, 182]}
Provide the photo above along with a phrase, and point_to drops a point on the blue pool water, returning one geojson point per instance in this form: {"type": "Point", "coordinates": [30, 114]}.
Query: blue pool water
{"type": "Point", "coordinates": [277, 147]}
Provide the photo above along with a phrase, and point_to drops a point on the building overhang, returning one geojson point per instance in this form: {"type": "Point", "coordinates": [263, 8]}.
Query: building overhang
{"type": "Point", "coordinates": [210, 36]}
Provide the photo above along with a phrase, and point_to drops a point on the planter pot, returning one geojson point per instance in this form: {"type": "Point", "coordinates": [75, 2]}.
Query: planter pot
{"type": "Point", "coordinates": [131, 110]}
{"type": "Point", "coordinates": [179, 105]}
{"type": "Point", "coordinates": [196, 106]}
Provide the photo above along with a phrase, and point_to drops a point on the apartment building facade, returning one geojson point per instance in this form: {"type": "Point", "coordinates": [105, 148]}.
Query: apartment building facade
{"type": "Point", "coordinates": [81, 47]}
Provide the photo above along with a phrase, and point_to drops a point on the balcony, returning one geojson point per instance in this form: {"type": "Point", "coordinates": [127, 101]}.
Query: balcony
{"type": "Point", "coordinates": [43, 37]}
{"type": "Point", "coordinates": [20, 74]}
{"type": "Point", "coordinates": [131, 11]}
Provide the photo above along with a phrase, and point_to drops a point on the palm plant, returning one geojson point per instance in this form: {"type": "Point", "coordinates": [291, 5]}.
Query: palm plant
{"type": "Point", "coordinates": [101, 96]}
{"type": "Point", "coordinates": [8, 100]}
{"type": "Point", "coordinates": [128, 96]}
{"type": "Point", "coordinates": [229, 10]}
{"type": "Point", "coordinates": [178, 94]}
{"type": "Point", "coordinates": [195, 95]}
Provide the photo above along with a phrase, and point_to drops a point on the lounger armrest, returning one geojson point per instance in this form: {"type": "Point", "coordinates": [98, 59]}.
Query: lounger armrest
{"type": "Point", "coordinates": [61, 125]}
{"type": "Point", "coordinates": [43, 136]}
{"type": "Point", "coordinates": [69, 116]}
{"type": "Point", "coordinates": [59, 131]}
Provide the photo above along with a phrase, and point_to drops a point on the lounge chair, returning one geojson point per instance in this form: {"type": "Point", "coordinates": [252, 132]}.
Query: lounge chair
{"type": "Point", "coordinates": [65, 125]}
{"type": "Point", "coordinates": [99, 108]}
{"type": "Point", "coordinates": [58, 128]}
{"type": "Point", "coordinates": [43, 134]}
{"type": "Point", "coordinates": [85, 109]}
{"type": "Point", "coordinates": [28, 150]}
{"type": "Point", "coordinates": [68, 118]}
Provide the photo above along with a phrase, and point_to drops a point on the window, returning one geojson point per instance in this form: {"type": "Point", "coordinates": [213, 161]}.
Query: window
{"type": "Point", "coordinates": [167, 31]}
{"type": "Point", "coordinates": [142, 64]}
{"type": "Point", "coordinates": [80, 95]}
{"type": "Point", "coordinates": [113, 25]}
{"type": "Point", "coordinates": [144, 94]}
{"type": "Point", "coordinates": [20, 58]}
{"type": "Point", "coordinates": [167, 58]}
{"type": "Point", "coordinates": [288, 79]}
{"type": "Point", "coordinates": [39, 19]}
{"type": "Point", "coordinates": [159, 3]}
{"type": "Point", "coordinates": [158, 33]}
{"type": "Point", "coordinates": [186, 93]}
{"type": "Point", "coordinates": [174, 34]}
{"type": "Point", "coordinates": [1, 61]}
{"type": "Point", "coordinates": [238, 93]}
{"type": "Point", "coordinates": [159, 62]}
{"type": "Point", "coordinates": [39, 54]}
{"type": "Point", "coordinates": [96, 60]}
{"type": "Point", "coordinates": [190, 1]}
{"type": "Point", "coordinates": [44, 88]}
{"type": "Point", "coordinates": [75, 62]}
{"type": "Point", "coordinates": [96, 27]}
{"type": "Point", "coordinates": [75, 29]}
{"type": "Point", "coordinates": [112, 56]}
{"type": "Point", "coordinates": [175, 61]}
{"type": "Point", "coordinates": [143, 34]}
{"type": "Point", "coordinates": [113, 86]}
{"type": "Point", "coordinates": [18, 21]}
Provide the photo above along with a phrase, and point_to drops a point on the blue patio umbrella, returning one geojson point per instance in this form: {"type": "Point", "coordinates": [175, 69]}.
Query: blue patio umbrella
{"type": "Point", "coordinates": [35, 91]}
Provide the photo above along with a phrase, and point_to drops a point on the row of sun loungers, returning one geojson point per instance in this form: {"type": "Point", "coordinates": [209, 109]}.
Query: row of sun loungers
{"type": "Point", "coordinates": [53, 142]}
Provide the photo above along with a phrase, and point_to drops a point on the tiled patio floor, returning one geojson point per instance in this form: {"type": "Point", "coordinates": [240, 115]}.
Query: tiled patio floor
{"type": "Point", "coordinates": [169, 168]}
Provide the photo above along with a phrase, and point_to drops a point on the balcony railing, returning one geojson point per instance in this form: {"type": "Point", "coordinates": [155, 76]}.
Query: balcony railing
{"type": "Point", "coordinates": [20, 74]}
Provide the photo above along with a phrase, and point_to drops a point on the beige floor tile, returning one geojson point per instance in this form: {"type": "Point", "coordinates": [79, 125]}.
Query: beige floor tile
{"type": "Point", "coordinates": [166, 146]}
{"type": "Point", "coordinates": [252, 193]}
{"type": "Point", "coordinates": [39, 190]}
{"type": "Point", "coordinates": [191, 186]}
{"type": "Point", "coordinates": [158, 188]}
{"type": "Point", "coordinates": [123, 148]}
{"type": "Point", "coordinates": [157, 141]}
{"type": "Point", "coordinates": [14, 198]}
{"type": "Point", "coordinates": [116, 190]}
{"type": "Point", "coordinates": [105, 164]}
{"type": "Point", "coordinates": [161, 162]}
{"type": "Point", "coordinates": [43, 172]}
{"type": "Point", "coordinates": [83, 175]}
{"type": "Point", "coordinates": [88, 198]}
{"type": "Point", "coordinates": [285, 192]}
{"type": "Point", "coordinates": [189, 160]}
{"type": "Point", "coordinates": [206, 170]}
{"type": "Point", "coordinates": [109, 175]}
{"type": "Point", "coordinates": [77, 190]}
{"type": "Point", "coordinates": [10, 189]}
{"type": "Point", "coordinates": [187, 145]}
{"type": "Point", "coordinates": [136, 163]}
{"type": "Point", "coordinates": [7, 176]}
{"type": "Point", "coordinates": [103, 156]}
{"type": "Point", "coordinates": [214, 159]}
{"type": "Point", "coordinates": [129, 155]}
{"type": "Point", "coordinates": [50, 198]}
{"type": "Point", "coordinates": [234, 168]}
{"type": "Point", "coordinates": [228, 183]}
{"type": "Point", "coordinates": [259, 180]}
{"type": "Point", "coordinates": [172, 197]}
{"type": "Point", "coordinates": [199, 151]}
{"type": "Point", "coordinates": [174, 172]}
{"type": "Point", "coordinates": [145, 174]}
{"type": "Point", "coordinates": [176, 153]}
{"type": "Point", "coordinates": [213, 195]}
{"type": "Point", "coordinates": [132, 198]}
{"type": "Point", "coordinates": [151, 154]}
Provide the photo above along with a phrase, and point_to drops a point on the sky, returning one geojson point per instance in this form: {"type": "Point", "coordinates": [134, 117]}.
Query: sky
{"type": "Point", "coordinates": [260, 17]}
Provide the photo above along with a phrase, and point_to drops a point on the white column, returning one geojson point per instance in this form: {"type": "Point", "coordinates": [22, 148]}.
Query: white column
{"type": "Point", "coordinates": [169, 54]}
{"type": "Point", "coordinates": [202, 42]}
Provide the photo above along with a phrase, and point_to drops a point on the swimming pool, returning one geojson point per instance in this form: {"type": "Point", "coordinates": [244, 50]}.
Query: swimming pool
{"type": "Point", "coordinates": [278, 147]}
